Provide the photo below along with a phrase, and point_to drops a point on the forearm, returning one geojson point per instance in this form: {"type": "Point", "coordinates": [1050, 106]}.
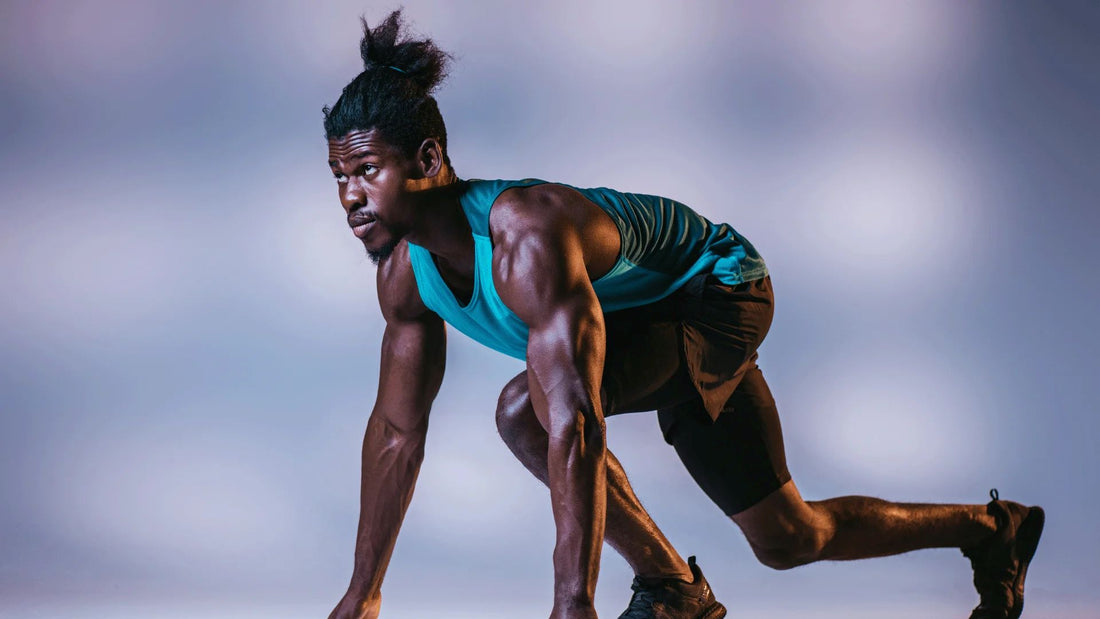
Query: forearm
{"type": "Point", "coordinates": [391, 462]}
{"type": "Point", "coordinates": [577, 467]}
{"type": "Point", "coordinates": [565, 394]}
{"type": "Point", "coordinates": [544, 280]}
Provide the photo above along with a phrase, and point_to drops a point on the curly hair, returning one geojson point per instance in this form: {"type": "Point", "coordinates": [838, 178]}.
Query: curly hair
{"type": "Point", "coordinates": [393, 94]}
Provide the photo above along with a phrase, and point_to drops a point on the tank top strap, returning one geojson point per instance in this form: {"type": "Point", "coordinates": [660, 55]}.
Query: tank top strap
{"type": "Point", "coordinates": [479, 196]}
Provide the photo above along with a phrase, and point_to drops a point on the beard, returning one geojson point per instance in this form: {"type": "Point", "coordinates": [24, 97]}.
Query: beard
{"type": "Point", "coordinates": [380, 254]}
{"type": "Point", "coordinates": [391, 236]}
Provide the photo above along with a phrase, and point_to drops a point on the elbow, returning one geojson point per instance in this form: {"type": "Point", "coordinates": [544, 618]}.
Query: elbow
{"type": "Point", "coordinates": [385, 436]}
{"type": "Point", "coordinates": [406, 442]}
{"type": "Point", "coordinates": [594, 432]}
{"type": "Point", "coordinates": [582, 432]}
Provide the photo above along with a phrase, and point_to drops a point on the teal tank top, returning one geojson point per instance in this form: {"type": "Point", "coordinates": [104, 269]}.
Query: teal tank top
{"type": "Point", "coordinates": [664, 244]}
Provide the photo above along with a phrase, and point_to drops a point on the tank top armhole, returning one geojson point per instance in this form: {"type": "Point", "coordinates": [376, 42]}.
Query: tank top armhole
{"type": "Point", "coordinates": [425, 274]}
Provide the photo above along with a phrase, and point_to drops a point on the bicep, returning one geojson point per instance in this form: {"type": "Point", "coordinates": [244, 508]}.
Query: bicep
{"type": "Point", "coordinates": [411, 371]}
{"type": "Point", "coordinates": [544, 281]}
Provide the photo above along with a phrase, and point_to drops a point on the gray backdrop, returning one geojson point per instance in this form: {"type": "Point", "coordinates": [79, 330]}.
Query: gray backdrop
{"type": "Point", "coordinates": [189, 332]}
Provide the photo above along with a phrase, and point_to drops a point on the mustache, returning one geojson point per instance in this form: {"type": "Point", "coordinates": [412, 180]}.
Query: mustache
{"type": "Point", "coordinates": [359, 218]}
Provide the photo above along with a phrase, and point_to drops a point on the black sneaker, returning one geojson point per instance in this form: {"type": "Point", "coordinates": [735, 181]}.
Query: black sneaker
{"type": "Point", "coordinates": [1000, 562]}
{"type": "Point", "coordinates": [672, 598]}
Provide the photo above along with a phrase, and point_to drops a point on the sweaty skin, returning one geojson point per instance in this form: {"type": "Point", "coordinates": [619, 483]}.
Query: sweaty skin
{"type": "Point", "coordinates": [540, 273]}
{"type": "Point", "coordinates": [549, 244]}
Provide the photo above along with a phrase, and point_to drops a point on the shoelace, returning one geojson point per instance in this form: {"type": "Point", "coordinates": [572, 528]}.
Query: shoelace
{"type": "Point", "coordinates": [995, 591]}
{"type": "Point", "coordinates": [641, 602]}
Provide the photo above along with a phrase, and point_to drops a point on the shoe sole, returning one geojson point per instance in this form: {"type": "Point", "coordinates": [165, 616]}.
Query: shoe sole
{"type": "Point", "coordinates": [1027, 541]}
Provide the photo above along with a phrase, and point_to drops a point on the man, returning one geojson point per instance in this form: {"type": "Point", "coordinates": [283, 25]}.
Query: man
{"type": "Point", "coordinates": [618, 302]}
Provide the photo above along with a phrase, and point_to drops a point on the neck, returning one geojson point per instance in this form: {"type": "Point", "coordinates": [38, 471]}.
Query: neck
{"type": "Point", "coordinates": [442, 227]}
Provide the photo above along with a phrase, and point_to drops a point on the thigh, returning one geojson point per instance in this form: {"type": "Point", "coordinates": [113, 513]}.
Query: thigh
{"type": "Point", "coordinates": [643, 365]}
{"type": "Point", "coordinates": [723, 329]}
{"type": "Point", "coordinates": [737, 459]}
{"type": "Point", "coordinates": [698, 341]}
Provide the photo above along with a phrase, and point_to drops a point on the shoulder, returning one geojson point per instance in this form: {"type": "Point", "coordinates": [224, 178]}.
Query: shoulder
{"type": "Point", "coordinates": [557, 223]}
{"type": "Point", "coordinates": [538, 257]}
{"type": "Point", "coordinates": [546, 209]}
{"type": "Point", "coordinates": [398, 296]}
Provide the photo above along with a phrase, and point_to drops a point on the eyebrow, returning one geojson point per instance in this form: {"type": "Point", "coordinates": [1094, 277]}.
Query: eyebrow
{"type": "Point", "coordinates": [358, 155]}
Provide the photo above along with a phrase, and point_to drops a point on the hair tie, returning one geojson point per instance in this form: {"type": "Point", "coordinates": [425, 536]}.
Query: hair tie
{"type": "Point", "coordinates": [396, 69]}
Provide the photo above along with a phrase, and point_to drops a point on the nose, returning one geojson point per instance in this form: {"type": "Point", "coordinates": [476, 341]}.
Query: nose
{"type": "Point", "coordinates": [355, 196]}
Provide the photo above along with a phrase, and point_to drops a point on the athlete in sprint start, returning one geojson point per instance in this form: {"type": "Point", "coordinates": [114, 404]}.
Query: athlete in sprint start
{"type": "Point", "coordinates": [618, 302]}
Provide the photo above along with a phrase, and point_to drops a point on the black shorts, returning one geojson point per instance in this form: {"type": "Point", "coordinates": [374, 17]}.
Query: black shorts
{"type": "Point", "coordinates": [692, 358]}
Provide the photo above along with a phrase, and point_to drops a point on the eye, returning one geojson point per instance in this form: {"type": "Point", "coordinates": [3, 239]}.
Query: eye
{"type": "Point", "coordinates": [340, 178]}
{"type": "Point", "coordinates": [369, 168]}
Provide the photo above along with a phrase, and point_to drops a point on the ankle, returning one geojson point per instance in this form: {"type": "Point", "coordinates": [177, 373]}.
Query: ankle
{"type": "Point", "coordinates": [671, 573]}
{"type": "Point", "coordinates": [984, 524]}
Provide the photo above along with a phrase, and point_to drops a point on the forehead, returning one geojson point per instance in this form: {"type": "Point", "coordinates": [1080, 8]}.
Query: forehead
{"type": "Point", "coordinates": [357, 144]}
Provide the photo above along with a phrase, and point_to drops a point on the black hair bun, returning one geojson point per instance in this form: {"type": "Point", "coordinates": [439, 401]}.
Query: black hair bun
{"type": "Point", "coordinates": [387, 47]}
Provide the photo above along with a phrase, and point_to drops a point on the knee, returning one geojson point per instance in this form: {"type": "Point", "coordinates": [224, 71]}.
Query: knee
{"type": "Point", "coordinates": [790, 546]}
{"type": "Point", "coordinates": [513, 405]}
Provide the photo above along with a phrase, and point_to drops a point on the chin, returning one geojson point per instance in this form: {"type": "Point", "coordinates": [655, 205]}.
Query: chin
{"type": "Point", "coordinates": [380, 253]}
{"type": "Point", "coordinates": [381, 244]}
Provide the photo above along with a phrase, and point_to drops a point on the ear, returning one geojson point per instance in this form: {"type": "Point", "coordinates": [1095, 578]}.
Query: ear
{"type": "Point", "coordinates": [429, 158]}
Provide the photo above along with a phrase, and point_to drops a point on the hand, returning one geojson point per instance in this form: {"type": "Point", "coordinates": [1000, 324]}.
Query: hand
{"type": "Point", "coordinates": [355, 607]}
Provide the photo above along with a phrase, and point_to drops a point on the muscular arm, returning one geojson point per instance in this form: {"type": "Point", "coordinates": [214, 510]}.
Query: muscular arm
{"type": "Point", "coordinates": [541, 276]}
{"type": "Point", "coordinates": [412, 364]}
